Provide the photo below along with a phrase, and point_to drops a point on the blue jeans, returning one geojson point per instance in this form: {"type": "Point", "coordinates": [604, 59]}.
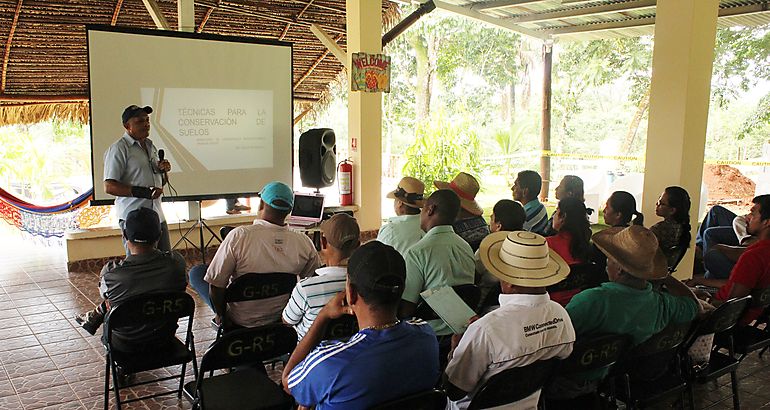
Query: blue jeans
{"type": "Point", "coordinates": [716, 228]}
{"type": "Point", "coordinates": [201, 286]}
{"type": "Point", "coordinates": [718, 266]}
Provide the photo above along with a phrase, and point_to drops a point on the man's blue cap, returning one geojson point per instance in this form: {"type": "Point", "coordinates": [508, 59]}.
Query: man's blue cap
{"type": "Point", "coordinates": [277, 191]}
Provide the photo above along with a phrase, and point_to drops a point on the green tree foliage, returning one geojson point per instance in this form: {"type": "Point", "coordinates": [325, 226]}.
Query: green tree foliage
{"type": "Point", "coordinates": [441, 150]}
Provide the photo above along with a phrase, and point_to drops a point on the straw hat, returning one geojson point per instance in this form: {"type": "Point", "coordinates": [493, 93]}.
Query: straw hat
{"type": "Point", "coordinates": [635, 249]}
{"type": "Point", "coordinates": [466, 187]}
{"type": "Point", "coordinates": [410, 191]}
{"type": "Point", "coordinates": [522, 258]}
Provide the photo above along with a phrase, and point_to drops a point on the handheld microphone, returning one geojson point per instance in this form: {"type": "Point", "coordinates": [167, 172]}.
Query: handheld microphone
{"type": "Point", "coordinates": [161, 157]}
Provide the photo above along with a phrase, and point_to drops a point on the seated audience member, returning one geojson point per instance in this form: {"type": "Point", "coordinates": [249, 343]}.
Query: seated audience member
{"type": "Point", "coordinates": [673, 232]}
{"type": "Point", "coordinates": [515, 334]}
{"type": "Point", "coordinates": [525, 189]}
{"type": "Point", "coordinates": [440, 258]}
{"type": "Point", "coordinates": [752, 271]}
{"type": "Point", "coordinates": [266, 246]}
{"type": "Point", "coordinates": [507, 216]}
{"type": "Point", "coordinates": [469, 223]}
{"type": "Point", "coordinates": [403, 230]}
{"type": "Point", "coordinates": [341, 237]}
{"type": "Point", "coordinates": [572, 241]}
{"type": "Point", "coordinates": [571, 186]}
{"type": "Point", "coordinates": [387, 359]}
{"type": "Point", "coordinates": [721, 246]}
{"type": "Point", "coordinates": [627, 304]}
{"type": "Point", "coordinates": [619, 211]}
{"type": "Point", "coordinates": [146, 270]}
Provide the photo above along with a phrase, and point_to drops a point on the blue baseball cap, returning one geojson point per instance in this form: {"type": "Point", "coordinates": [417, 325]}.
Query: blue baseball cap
{"type": "Point", "coordinates": [275, 191]}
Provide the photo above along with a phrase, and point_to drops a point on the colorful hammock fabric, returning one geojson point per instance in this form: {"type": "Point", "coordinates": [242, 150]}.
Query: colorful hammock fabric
{"type": "Point", "coordinates": [46, 221]}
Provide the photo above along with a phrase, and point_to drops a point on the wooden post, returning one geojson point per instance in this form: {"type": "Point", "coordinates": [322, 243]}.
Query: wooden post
{"type": "Point", "coordinates": [545, 130]}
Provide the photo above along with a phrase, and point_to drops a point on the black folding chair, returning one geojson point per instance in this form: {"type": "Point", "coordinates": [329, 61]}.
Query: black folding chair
{"type": "Point", "coordinates": [470, 294]}
{"type": "Point", "coordinates": [721, 323]}
{"type": "Point", "coordinates": [247, 387]}
{"type": "Point", "coordinates": [756, 336]}
{"type": "Point", "coordinates": [652, 370]}
{"type": "Point", "coordinates": [341, 328]}
{"type": "Point", "coordinates": [258, 286]}
{"type": "Point", "coordinates": [581, 276]}
{"type": "Point", "coordinates": [427, 400]}
{"type": "Point", "coordinates": [591, 353]}
{"type": "Point", "coordinates": [678, 252]}
{"type": "Point", "coordinates": [512, 385]}
{"type": "Point", "coordinates": [156, 310]}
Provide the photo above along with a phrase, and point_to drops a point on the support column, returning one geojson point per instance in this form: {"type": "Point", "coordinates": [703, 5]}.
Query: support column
{"type": "Point", "coordinates": [545, 128]}
{"type": "Point", "coordinates": [685, 34]}
{"type": "Point", "coordinates": [364, 32]}
{"type": "Point", "coordinates": [186, 12]}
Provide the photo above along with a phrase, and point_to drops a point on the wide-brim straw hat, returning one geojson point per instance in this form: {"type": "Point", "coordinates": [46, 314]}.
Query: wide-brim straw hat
{"type": "Point", "coordinates": [410, 191]}
{"type": "Point", "coordinates": [466, 187]}
{"type": "Point", "coordinates": [635, 249]}
{"type": "Point", "coordinates": [522, 258]}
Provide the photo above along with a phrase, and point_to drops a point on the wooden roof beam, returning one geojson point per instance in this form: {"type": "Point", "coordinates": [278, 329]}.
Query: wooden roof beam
{"type": "Point", "coordinates": [504, 23]}
{"type": "Point", "coordinates": [299, 16]}
{"type": "Point", "coordinates": [584, 11]}
{"type": "Point", "coordinates": [204, 20]}
{"type": "Point", "coordinates": [156, 14]}
{"type": "Point", "coordinates": [315, 64]}
{"type": "Point", "coordinates": [232, 7]}
{"type": "Point", "coordinates": [116, 13]}
{"type": "Point", "coordinates": [499, 4]}
{"type": "Point", "coordinates": [8, 42]}
{"type": "Point", "coordinates": [331, 44]}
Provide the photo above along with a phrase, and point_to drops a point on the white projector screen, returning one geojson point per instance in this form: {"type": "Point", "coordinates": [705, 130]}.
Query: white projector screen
{"type": "Point", "coordinates": [222, 107]}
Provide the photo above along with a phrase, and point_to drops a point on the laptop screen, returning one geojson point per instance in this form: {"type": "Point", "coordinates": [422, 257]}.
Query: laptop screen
{"type": "Point", "coordinates": [308, 206]}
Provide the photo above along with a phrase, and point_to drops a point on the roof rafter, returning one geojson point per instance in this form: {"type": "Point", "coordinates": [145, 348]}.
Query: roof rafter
{"type": "Point", "coordinates": [499, 4]}
{"type": "Point", "coordinates": [239, 8]}
{"type": "Point", "coordinates": [584, 11]}
{"type": "Point", "coordinates": [299, 16]}
{"type": "Point", "coordinates": [156, 14]}
{"type": "Point", "coordinates": [464, 11]}
{"type": "Point", "coordinates": [205, 19]}
{"type": "Point", "coordinates": [315, 64]}
{"type": "Point", "coordinates": [7, 56]}
{"type": "Point", "coordinates": [116, 13]}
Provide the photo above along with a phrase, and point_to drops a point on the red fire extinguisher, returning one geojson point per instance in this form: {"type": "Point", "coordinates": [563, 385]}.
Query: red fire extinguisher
{"type": "Point", "coordinates": [345, 181]}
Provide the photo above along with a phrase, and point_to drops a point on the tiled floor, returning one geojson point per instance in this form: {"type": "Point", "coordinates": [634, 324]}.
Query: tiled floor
{"type": "Point", "coordinates": [47, 361]}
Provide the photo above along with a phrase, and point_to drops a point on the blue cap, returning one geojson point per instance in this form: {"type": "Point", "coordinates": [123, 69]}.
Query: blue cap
{"type": "Point", "coordinates": [275, 191]}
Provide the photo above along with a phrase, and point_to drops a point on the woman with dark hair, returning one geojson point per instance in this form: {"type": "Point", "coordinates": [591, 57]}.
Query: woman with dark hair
{"type": "Point", "coordinates": [573, 231]}
{"type": "Point", "coordinates": [572, 240]}
{"type": "Point", "coordinates": [620, 209]}
{"type": "Point", "coordinates": [673, 231]}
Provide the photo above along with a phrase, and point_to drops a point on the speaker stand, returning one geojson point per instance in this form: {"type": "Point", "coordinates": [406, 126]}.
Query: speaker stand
{"type": "Point", "coordinates": [200, 224]}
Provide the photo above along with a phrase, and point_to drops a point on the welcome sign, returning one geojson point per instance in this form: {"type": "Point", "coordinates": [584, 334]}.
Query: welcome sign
{"type": "Point", "coordinates": [370, 73]}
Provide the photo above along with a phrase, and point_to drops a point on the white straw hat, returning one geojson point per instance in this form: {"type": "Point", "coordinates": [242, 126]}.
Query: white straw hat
{"type": "Point", "coordinates": [522, 258]}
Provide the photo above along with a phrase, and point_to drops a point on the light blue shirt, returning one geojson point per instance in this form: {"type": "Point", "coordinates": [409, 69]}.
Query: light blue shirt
{"type": "Point", "coordinates": [440, 258]}
{"type": "Point", "coordinates": [401, 232]}
{"type": "Point", "coordinates": [126, 162]}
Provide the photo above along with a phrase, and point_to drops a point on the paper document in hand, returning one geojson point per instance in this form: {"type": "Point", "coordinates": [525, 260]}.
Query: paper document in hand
{"type": "Point", "coordinates": [449, 307]}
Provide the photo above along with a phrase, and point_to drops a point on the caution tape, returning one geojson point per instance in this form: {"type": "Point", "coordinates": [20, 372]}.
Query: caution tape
{"type": "Point", "coordinates": [551, 154]}
{"type": "Point", "coordinates": [546, 153]}
{"type": "Point", "coordinates": [728, 162]}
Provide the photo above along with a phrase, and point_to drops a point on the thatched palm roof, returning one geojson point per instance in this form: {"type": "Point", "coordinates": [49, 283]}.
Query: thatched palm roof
{"type": "Point", "coordinates": [43, 45]}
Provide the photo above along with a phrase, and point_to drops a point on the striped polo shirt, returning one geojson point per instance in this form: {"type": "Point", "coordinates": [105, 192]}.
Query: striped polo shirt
{"type": "Point", "coordinates": [311, 294]}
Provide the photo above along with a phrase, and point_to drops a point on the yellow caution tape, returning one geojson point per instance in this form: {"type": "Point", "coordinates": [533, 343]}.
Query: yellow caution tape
{"type": "Point", "coordinates": [546, 153]}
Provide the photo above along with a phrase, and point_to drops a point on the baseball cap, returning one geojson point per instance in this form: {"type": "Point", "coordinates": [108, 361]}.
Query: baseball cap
{"type": "Point", "coordinates": [133, 110]}
{"type": "Point", "coordinates": [377, 268]}
{"type": "Point", "coordinates": [142, 226]}
{"type": "Point", "coordinates": [275, 191]}
{"type": "Point", "coordinates": [341, 231]}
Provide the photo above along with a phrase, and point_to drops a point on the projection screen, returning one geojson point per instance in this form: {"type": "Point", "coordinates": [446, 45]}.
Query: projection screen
{"type": "Point", "coordinates": [222, 107]}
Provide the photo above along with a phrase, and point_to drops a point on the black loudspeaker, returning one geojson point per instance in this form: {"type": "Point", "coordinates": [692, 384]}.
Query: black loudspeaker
{"type": "Point", "coordinates": [317, 157]}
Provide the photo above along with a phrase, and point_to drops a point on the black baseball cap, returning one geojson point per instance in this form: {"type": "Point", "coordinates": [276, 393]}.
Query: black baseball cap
{"type": "Point", "coordinates": [133, 110]}
{"type": "Point", "coordinates": [142, 226]}
{"type": "Point", "coordinates": [378, 268]}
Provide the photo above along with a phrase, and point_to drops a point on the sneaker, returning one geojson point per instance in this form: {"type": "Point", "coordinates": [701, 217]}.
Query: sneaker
{"type": "Point", "coordinates": [90, 321]}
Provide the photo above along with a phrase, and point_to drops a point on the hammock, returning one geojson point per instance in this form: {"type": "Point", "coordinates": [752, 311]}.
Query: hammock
{"type": "Point", "coordinates": [48, 221]}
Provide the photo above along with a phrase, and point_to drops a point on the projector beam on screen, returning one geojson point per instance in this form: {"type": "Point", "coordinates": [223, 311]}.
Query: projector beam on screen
{"type": "Point", "coordinates": [222, 107]}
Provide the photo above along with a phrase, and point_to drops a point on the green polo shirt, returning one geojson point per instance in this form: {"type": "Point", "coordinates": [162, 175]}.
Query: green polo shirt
{"type": "Point", "coordinates": [440, 258]}
{"type": "Point", "coordinates": [617, 308]}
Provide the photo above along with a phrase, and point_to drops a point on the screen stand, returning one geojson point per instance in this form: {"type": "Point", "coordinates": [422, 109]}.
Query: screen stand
{"type": "Point", "coordinates": [200, 224]}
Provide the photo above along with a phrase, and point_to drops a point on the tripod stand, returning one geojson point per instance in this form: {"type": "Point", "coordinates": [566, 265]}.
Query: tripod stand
{"type": "Point", "coordinates": [200, 223]}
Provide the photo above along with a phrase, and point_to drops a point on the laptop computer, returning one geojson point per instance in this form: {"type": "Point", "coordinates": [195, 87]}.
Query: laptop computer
{"type": "Point", "coordinates": [308, 209]}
